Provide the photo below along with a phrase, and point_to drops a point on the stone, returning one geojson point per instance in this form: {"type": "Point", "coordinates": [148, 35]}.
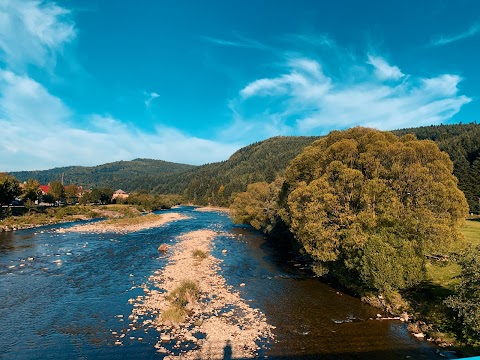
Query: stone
{"type": "Point", "coordinates": [165, 338]}
{"type": "Point", "coordinates": [163, 248]}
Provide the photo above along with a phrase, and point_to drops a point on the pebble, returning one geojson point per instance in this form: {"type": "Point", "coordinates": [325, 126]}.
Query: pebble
{"type": "Point", "coordinates": [165, 338]}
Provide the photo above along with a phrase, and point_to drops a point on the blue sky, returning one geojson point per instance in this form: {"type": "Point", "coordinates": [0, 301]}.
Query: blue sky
{"type": "Point", "coordinates": [85, 82]}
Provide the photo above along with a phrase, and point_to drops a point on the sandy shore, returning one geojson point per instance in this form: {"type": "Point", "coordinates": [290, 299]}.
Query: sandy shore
{"type": "Point", "coordinates": [107, 226]}
{"type": "Point", "coordinates": [220, 324]}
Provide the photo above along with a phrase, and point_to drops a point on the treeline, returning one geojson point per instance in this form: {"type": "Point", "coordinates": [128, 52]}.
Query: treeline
{"type": "Point", "coordinates": [148, 202]}
{"type": "Point", "coordinates": [127, 175]}
{"type": "Point", "coordinates": [215, 183]}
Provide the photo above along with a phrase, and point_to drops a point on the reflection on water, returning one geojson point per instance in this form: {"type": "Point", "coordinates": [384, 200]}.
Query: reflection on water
{"type": "Point", "coordinates": [66, 296]}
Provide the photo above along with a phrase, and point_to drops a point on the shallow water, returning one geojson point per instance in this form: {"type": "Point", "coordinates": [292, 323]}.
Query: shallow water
{"type": "Point", "coordinates": [66, 301]}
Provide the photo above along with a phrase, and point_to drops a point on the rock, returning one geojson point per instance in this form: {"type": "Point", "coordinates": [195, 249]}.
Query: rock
{"type": "Point", "coordinates": [163, 248]}
{"type": "Point", "coordinates": [419, 335]}
{"type": "Point", "coordinates": [165, 338]}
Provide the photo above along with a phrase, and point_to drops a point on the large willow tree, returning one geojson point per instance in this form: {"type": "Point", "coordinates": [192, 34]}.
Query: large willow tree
{"type": "Point", "coordinates": [368, 206]}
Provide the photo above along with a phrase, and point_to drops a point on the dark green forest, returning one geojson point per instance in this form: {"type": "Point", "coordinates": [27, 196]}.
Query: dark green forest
{"type": "Point", "coordinates": [127, 175]}
{"type": "Point", "coordinates": [262, 161]}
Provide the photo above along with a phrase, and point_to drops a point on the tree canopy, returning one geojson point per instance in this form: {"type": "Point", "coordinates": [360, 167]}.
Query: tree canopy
{"type": "Point", "coordinates": [9, 189]}
{"type": "Point", "coordinates": [56, 190]}
{"type": "Point", "coordinates": [31, 190]}
{"type": "Point", "coordinates": [370, 204]}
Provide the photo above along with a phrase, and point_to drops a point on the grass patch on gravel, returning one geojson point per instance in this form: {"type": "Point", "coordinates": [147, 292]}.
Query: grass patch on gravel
{"type": "Point", "coordinates": [199, 254]}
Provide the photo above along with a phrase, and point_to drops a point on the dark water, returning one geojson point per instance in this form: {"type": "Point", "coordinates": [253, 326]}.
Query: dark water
{"type": "Point", "coordinates": [65, 303]}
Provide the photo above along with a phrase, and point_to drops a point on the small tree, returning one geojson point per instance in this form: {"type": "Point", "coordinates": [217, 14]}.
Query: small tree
{"type": "Point", "coordinates": [9, 188]}
{"type": "Point", "coordinates": [57, 190]}
{"type": "Point", "coordinates": [31, 190]}
{"type": "Point", "coordinates": [71, 193]}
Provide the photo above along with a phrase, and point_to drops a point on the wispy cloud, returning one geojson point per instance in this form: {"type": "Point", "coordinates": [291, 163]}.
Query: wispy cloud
{"type": "Point", "coordinates": [33, 32]}
{"type": "Point", "coordinates": [239, 41]}
{"type": "Point", "coordinates": [303, 99]}
{"type": "Point", "coordinates": [53, 140]}
{"type": "Point", "coordinates": [447, 39]}
{"type": "Point", "coordinates": [150, 97]}
{"type": "Point", "coordinates": [383, 70]}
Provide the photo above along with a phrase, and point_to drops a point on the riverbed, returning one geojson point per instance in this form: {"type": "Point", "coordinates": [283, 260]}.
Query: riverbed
{"type": "Point", "coordinates": [68, 295]}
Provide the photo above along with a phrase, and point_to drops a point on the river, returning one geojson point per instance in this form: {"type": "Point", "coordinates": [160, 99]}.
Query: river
{"type": "Point", "coordinates": [63, 294]}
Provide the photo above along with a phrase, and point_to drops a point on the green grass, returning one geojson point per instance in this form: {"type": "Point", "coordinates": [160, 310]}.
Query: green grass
{"type": "Point", "coordinates": [136, 220]}
{"type": "Point", "coordinates": [174, 314]}
{"type": "Point", "coordinates": [199, 254]}
{"type": "Point", "coordinates": [187, 292]}
{"type": "Point", "coordinates": [444, 274]}
{"type": "Point", "coordinates": [471, 231]}
{"type": "Point", "coordinates": [427, 300]}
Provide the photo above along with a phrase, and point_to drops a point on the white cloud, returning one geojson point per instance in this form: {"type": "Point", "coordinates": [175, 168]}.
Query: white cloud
{"type": "Point", "coordinates": [383, 70]}
{"type": "Point", "coordinates": [444, 40]}
{"type": "Point", "coordinates": [37, 133]}
{"type": "Point", "coordinates": [302, 99]}
{"type": "Point", "coordinates": [32, 32]}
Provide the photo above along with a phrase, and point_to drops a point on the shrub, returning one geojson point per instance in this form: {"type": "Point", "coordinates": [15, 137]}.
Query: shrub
{"type": "Point", "coordinates": [186, 292]}
{"type": "Point", "coordinates": [199, 254]}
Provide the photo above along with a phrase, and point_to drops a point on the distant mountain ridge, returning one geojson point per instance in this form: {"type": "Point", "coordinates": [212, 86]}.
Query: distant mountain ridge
{"type": "Point", "coordinates": [127, 175]}
{"type": "Point", "coordinates": [262, 161]}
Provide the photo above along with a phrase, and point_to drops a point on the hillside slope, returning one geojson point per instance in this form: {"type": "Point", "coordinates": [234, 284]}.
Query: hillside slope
{"type": "Point", "coordinates": [261, 161]}
{"type": "Point", "coordinates": [126, 175]}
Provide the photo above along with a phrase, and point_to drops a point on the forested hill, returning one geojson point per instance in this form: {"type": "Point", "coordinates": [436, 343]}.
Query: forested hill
{"type": "Point", "coordinates": [261, 161]}
{"type": "Point", "coordinates": [126, 175]}
{"type": "Point", "coordinates": [462, 143]}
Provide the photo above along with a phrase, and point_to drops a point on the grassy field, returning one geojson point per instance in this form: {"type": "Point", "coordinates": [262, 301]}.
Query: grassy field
{"type": "Point", "coordinates": [444, 274]}
{"type": "Point", "coordinates": [471, 231]}
{"type": "Point", "coordinates": [128, 221]}
{"type": "Point", "coordinates": [427, 301]}
{"type": "Point", "coordinates": [50, 215]}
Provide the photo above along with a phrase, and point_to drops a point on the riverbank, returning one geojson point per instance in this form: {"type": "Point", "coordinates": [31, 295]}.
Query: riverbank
{"type": "Point", "coordinates": [125, 225]}
{"type": "Point", "coordinates": [213, 208]}
{"type": "Point", "coordinates": [210, 321]}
